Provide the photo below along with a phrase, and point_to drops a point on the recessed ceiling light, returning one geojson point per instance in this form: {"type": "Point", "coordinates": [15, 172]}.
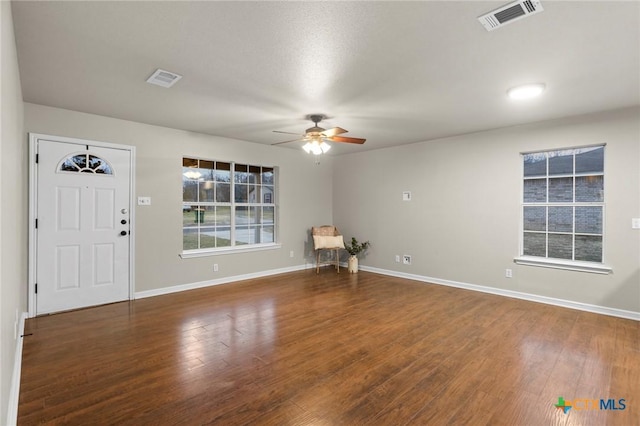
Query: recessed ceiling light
{"type": "Point", "coordinates": [526, 91]}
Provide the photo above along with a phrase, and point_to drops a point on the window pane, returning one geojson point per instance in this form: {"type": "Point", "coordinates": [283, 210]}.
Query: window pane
{"type": "Point", "coordinates": [254, 193]}
{"type": "Point", "coordinates": [189, 162]}
{"type": "Point", "coordinates": [267, 195]}
{"type": "Point", "coordinates": [560, 219]}
{"type": "Point", "coordinates": [208, 215]}
{"type": "Point", "coordinates": [242, 216]}
{"type": "Point", "coordinates": [223, 237]}
{"type": "Point", "coordinates": [206, 165]}
{"type": "Point", "coordinates": [560, 246]}
{"type": "Point", "coordinates": [190, 238]}
{"type": "Point", "coordinates": [589, 189]}
{"type": "Point", "coordinates": [242, 235]}
{"type": "Point", "coordinates": [534, 244]}
{"type": "Point", "coordinates": [80, 161]}
{"type": "Point", "coordinates": [267, 175]}
{"type": "Point", "coordinates": [223, 192]}
{"type": "Point", "coordinates": [205, 170]}
{"type": "Point", "coordinates": [267, 234]}
{"type": "Point", "coordinates": [223, 216]}
{"type": "Point", "coordinates": [198, 215]}
{"type": "Point", "coordinates": [241, 193]}
{"type": "Point", "coordinates": [69, 166]}
{"type": "Point", "coordinates": [189, 187]}
{"type": "Point", "coordinates": [206, 191]}
{"type": "Point", "coordinates": [187, 214]}
{"type": "Point", "coordinates": [254, 174]}
{"type": "Point", "coordinates": [535, 164]}
{"type": "Point", "coordinates": [590, 160]}
{"type": "Point", "coordinates": [223, 172]}
{"type": "Point", "coordinates": [589, 248]}
{"type": "Point", "coordinates": [189, 217]}
{"type": "Point", "coordinates": [253, 235]}
{"type": "Point", "coordinates": [253, 215]}
{"type": "Point", "coordinates": [561, 164]}
{"type": "Point", "coordinates": [267, 215]}
{"type": "Point", "coordinates": [99, 165]}
{"type": "Point", "coordinates": [561, 190]}
{"type": "Point", "coordinates": [207, 237]}
{"type": "Point", "coordinates": [535, 219]}
{"type": "Point", "coordinates": [535, 190]}
{"type": "Point", "coordinates": [240, 173]}
{"type": "Point", "coordinates": [589, 220]}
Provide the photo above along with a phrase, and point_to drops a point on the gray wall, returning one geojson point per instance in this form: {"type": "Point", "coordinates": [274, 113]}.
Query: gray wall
{"type": "Point", "coordinates": [13, 193]}
{"type": "Point", "coordinates": [463, 222]}
{"type": "Point", "coordinates": [304, 196]}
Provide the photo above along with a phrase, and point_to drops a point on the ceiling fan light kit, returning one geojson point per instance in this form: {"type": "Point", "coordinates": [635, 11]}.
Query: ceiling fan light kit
{"type": "Point", "coordinates": [316, 147]}
{"type": "Point", "coordinates": [316, 137]}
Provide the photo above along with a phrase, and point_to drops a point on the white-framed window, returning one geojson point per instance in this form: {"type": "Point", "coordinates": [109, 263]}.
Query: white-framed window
{"type": "Point", "coordinates": [563, 207]}
{"type": "Point", "coordinates": [227, 206]}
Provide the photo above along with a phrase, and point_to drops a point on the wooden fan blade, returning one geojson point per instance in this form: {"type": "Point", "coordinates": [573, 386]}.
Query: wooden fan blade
{"type": "Point", "coordinates": [332, 132]}
{"type": "Point", "coordinates": [287, 133]}
{"type": "Point", "coordinates": [292, 140]}
{"type": "Point", "coordinates": [346, 139]}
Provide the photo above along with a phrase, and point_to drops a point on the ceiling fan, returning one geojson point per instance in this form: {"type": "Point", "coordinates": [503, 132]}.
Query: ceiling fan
{"type": "Point", "coordinates": [317, 137]}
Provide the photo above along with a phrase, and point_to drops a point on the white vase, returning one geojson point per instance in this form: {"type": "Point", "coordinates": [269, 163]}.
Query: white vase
{"type": "Point", "coordinates": [353, 264]}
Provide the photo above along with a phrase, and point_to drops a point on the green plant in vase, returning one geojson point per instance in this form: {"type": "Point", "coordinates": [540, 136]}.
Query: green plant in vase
{"type": "Point", "coordinates": [355, 248]}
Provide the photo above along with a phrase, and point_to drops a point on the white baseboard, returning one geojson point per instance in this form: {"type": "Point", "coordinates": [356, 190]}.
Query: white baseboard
{"type": "Point", "coordinates": [225, 280]}
{"type": "Point", "coordinates": [604, 310]}
{"type": "Point", "coordinates": [14, 391]}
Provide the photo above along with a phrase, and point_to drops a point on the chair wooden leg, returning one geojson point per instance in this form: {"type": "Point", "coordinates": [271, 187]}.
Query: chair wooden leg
{"type": "Point", "coordinates": [337, 261]}
{"type": "Point", "coordinates": [317, 261]}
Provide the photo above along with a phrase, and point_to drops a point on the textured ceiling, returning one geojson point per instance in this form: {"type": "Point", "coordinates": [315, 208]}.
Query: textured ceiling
{"type": "Point", "coordinates": [392, 72]}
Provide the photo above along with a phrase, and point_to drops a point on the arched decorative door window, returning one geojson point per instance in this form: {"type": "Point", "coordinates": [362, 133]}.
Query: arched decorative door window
{"type": "Point", "coordinates": [85, 163]}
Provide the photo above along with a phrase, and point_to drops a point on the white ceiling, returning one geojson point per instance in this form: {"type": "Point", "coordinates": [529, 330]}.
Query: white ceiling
{"type": "Point", "coordinates": [391, 72]}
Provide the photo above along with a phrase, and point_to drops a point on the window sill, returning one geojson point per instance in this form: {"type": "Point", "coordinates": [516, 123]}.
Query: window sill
{"type": "Point", "coordinates": [569, 265]}
{"type": "Point", "coordinates": [228, 250]}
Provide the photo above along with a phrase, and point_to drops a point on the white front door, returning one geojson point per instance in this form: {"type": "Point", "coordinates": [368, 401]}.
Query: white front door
{"type": "Point", "coordinates": [83, 230]}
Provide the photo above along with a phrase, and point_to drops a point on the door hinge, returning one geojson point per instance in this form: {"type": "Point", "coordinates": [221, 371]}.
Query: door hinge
{"type": "Point", "coordinates": [36, 223]}
{"type": "Point", "coordinates": [36, 288]}
{"type": "Point", "coordinates": [37, 158]}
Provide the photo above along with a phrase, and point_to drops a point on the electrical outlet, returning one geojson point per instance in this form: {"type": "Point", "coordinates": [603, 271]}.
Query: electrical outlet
{"type": "Point", "coordinates": [508, 273]}
{"type": "Point", "coordinates": [398, 258]}
{"type": "Point", "coordinates": [635, 223]}
{"type": "Point", "coordinates": [215, 267]}
{"type": "Point", "coordinates": [291, 253]}
{"type": "Point", "coordinates": [406, 259]}
{"type": "Point", "coordinates": [406, 196]}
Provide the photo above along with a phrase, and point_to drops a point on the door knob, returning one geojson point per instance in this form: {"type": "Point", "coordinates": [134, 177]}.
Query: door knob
{"type": "Point", "coordinates": [123, 233]}
{"type": "Point", "coordinates": [123, 221]}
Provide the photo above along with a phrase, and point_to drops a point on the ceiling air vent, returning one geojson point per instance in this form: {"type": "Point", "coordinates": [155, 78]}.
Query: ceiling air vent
{"type": "Point", "coordinates": [163, 78]}
{"type": "Point", "coordinates": [510, 13]}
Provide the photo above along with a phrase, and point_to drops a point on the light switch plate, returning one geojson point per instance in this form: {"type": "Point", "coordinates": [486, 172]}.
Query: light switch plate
{"type": "Point", "coordinates": [406, 196]}
{"type": "Point", "coordinates": [144, 201]}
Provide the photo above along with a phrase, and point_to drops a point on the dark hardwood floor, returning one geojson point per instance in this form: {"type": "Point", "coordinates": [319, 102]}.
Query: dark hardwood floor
{"type": "Point", "coordinates": [329, 349]}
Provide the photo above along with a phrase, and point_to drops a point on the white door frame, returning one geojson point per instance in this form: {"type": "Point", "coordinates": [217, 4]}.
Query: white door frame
{"type": "Point", "coordinates": [33, 208]}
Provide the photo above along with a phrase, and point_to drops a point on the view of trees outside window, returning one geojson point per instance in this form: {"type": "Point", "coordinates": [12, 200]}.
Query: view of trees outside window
{"type": "Point", "coordinates": [226, 205]}
{"type": "Point", "coordinates": [563, 204]}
